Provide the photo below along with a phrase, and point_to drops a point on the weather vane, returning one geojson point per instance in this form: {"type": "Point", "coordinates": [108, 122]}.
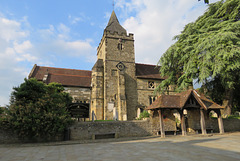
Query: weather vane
{"type": "Point", "coordinates": [113, 4]}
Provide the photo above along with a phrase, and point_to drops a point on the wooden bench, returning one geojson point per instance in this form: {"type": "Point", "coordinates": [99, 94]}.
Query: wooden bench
{"type": "Point", "coordinates": [104, 136]}
{"type": "Point", "coordinates": [207, 130]}
{"type": "Point", "coordinates": [168, 132]}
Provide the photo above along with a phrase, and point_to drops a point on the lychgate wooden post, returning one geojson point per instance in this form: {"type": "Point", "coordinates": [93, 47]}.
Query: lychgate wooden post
{"type": "Point", "coordinates": [161, 123]}
{"type": "Point", "coordinates": [183, 125]}
{"type": "Point", "coordinates": [220, 122]}
{"type": "Point", "coordinates": [202, 121]}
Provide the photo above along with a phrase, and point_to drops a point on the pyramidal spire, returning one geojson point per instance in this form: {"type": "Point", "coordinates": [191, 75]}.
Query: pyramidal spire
{"type": "Point", "coordinates": [113, 18]}
{"type": "Point", "coordinates": [114, 26]}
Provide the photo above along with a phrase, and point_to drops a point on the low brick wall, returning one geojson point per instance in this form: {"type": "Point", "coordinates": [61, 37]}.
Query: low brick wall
{"type": "Point", "coordinates": [86, 130]}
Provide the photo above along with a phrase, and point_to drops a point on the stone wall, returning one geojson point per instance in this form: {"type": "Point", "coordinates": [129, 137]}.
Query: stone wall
{"type": "Point", "coordinates": [139, 128]}
{"type": "Point", "coordinates": [86, 130]}
{"type": "Point", "coordinates": [144, 92]}
{"type": "Point", "coordinates": [230, 125]}
{"type": "Point", "coordinates": [97, 102]}
{"type": "Point", "coordinates": [8, 137]}
{"type": "Point", "coordinates": [168, 121]}
{"type": "Point", "coordinates": [79, 94]}
{"type": "Point", "coordinates": [193, 120]}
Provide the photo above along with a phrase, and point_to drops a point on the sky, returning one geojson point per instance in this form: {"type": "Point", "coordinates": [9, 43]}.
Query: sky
{"type": "Point", "coordinates": [66, 33]}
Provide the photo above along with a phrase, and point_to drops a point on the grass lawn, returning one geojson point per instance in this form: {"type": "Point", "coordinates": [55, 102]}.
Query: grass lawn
{"type": "Point", "coordinates": [102, 120]}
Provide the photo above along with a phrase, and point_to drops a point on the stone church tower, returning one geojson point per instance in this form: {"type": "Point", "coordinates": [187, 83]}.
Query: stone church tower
{"type": "Point", "coordinates": [117, 88]}
{"type": "Point", "coordinates": [114, 86]}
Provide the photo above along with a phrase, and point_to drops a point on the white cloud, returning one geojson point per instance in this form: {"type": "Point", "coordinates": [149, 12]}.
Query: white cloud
{"type": "Point", "coordinates": [58, 42]}
{"type": "Point", "coordinates": [76, 19]}
{"type": "Point", "coordinates": [77, 45]}
{"type": "Point", "coordinates": [10, 30]}
{"type": "Point", "coordinates": [14, 48]}
{"type": "Point", "coordinates": [76, 48]}
{"type": "Point", "coordinates": [80, 18]}
{"type": "Point", "coordinates": [63, 31]}
{"type": "Point", "coordinates": [157, 22]}
{"type": "Point", "coordinates": [21, 48]}
{"type": "Point", "coordinates": [129, 6]}
{"type": "Point", "coordinates": [18, 51]}
{"type": "Point", "coordinates": [46, 34]}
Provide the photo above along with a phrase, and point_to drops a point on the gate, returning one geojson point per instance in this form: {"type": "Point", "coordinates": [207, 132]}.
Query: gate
{"type": "Point", "coordinates": [79, 110]}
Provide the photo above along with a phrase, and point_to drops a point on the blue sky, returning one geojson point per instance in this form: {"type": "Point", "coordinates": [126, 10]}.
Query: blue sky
{"type": "Point", "coordinates": [66, 33]}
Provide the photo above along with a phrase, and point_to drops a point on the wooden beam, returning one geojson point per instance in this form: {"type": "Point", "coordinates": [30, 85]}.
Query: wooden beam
{"type": "Point", "coordinates": [192, 105]}
{"type": "Point", "coordinates": [160, 111]}
{"type": "Point", "coordinates": [220, 122]}
{"type": "Point", "coordinates": [202, 121]}
{"type": "Point", "coordinates": [183, 125]}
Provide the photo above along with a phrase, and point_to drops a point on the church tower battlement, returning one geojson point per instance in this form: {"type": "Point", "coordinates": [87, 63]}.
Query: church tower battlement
{"type": "Point", "coordinates": [114, 94]}
{"type": "Point", "coordinates": [114, 33]}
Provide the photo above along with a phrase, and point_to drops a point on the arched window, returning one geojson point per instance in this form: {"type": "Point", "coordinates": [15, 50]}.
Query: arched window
{"type": "Point", "coordinates": [152, 99]}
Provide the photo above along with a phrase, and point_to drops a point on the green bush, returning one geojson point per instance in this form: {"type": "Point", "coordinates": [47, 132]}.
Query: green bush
{"type": "Point", "coordinates": [233, 117]}
{"type": "Point", "coordinates": [1, 110]}
{"type": "Point", "coordinates": [144, 114]}
{"type": "Point", "coordinates": [38, 110]}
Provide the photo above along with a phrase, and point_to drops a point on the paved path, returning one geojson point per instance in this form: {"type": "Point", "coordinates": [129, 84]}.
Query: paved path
{"type": "Point", "coordinates": [217, 147]}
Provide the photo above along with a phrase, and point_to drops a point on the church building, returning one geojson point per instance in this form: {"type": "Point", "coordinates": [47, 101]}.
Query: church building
{"type": "Point", "coordinates": [117, 88]}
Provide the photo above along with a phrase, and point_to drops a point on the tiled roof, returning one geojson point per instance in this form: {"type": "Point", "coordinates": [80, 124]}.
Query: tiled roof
{"type": "Point", "coordinates": [184, 97]}
{"type": "Point", "coordinates": [67, 77]}
{"type": "Point", "coordinates": [114, 26]}
{"type": "Point", "coordinates": [148, 71]}
{"type": "Point", "coordinates": [165, 101]}
{"type": "Point", "coordinates": [70, 80]}
{"type": "Point", "coordinates": [208, 103]}
{"type": "Point", "coordinates": [179, 100]}
{"type": "Point", "coordinates": [82, 78]}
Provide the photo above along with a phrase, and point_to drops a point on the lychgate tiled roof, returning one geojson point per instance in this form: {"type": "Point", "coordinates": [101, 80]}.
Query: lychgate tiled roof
{"type": "Point", "coordinates": [147, 71]}
{"type": "Point", "coordinates": [179, 100]}
{"type": "Point", "coordinates": [67, 77]}
{"type": "Point", "coordinates": [165, 101]}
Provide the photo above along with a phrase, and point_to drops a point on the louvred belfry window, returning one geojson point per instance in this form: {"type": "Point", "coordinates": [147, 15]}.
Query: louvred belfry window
{"type": "Point", "coordinates": [120, 47]}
